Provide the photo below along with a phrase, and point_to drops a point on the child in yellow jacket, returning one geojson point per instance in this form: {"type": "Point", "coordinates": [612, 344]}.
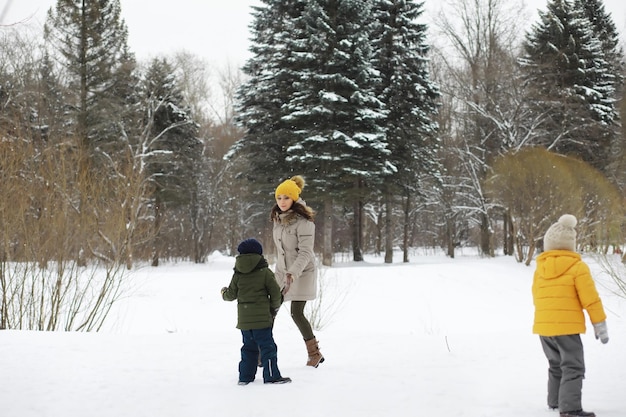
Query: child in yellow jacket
{"type": "Point", "coordinates": [562, 288]}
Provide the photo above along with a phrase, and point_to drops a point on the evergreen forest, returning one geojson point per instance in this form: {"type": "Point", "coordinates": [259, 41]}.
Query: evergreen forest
{"type": "Point", "coordinates": [473, 130]}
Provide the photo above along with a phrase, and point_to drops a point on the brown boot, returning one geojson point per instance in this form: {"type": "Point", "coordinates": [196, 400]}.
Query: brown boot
{"type": "Point", "coordinates": [315, 356]}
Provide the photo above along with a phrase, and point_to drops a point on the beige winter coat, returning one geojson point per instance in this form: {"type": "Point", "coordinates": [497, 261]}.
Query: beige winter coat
{"type": "Point", "coordinates": [294, 237]}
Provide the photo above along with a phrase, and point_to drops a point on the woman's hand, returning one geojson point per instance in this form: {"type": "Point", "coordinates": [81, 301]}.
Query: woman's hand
{"type": "Point", "coordinates": [288, 281]}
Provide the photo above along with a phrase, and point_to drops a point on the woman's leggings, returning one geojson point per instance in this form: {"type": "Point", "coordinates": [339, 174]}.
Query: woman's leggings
{"type": "Point", "coordinates": [297, 314]}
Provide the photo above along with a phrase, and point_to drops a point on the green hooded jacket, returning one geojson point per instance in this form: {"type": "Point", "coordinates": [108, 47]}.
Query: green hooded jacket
{"type": "Point", "coordinates": [257, 293]}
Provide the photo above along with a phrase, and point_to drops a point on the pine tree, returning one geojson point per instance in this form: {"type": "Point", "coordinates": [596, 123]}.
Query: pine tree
{"type": "Point", "coordinates": [410, 99]}
{"type": "Point", "coordinates": [261, 98]}
{"type": "Point", "coordinates": [260, 105]}
{"type": "Point", "coordinates": [90, 41]}
{"type": "Point", "coordinates": [52, 113]}
{"type": "Point", "coordinates": [173, 151]}
{"type": "Point", "coordinates": [570, 81]}
{"type": "Point", "coordinates": [310, 106]}
{"type": "Point", "coordinates": [334, 111]}
{"type": "Point", "coordinates": [605, 30]}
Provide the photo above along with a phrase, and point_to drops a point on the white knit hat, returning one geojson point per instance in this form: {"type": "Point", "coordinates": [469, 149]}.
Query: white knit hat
{"type": "Point", "coordinates": [561, 235]}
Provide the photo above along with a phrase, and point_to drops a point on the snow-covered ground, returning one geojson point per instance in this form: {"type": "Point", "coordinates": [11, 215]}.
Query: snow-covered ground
{"type": "Point", "coordinates": [434, 337]}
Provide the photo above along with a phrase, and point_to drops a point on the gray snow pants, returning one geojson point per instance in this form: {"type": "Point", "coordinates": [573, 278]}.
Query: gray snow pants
{"type": "Point", "coordinates": [566, 372]}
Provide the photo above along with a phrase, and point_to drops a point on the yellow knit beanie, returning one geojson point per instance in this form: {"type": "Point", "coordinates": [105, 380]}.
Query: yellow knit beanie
{"type": "Point", "coordinates": [291, 188]}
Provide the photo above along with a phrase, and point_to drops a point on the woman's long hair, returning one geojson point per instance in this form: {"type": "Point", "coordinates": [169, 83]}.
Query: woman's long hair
{"type": "Point", "coordinates": [298, 208]}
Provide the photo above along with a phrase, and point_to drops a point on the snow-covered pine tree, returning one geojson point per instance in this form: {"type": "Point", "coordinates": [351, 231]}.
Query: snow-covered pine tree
{"type": "Point", "coordinates": [309, 105]}
{"type": "Point", "coordinates": [261, 98]}
{"type": "Point", "coordinates": [571, 83]}
{"type": "Point", "coordinates": [259, 108]}
{"type": "Point", "coordinates": [173, 149]}
{"type": "Point", "coordinates": [174, 143]}
{"type": "Point", "coordinates": [605, 30]}
{"type": "Point", "coordinates": [333, 110]}
{"type": "Point", "coordinates": [410, 97]}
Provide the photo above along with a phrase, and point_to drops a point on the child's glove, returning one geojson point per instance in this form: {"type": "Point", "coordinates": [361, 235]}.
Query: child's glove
{"type": "Point", "coordinates": [601, 332]}
{"type": "Point", "coordinates": [274, 312]}
{"type": "Point", "coordinates": [223, 290]}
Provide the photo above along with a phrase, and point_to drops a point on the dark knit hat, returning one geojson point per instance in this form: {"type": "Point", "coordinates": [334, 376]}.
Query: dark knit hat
{"type": "Point", "coordinates": [250, 246]}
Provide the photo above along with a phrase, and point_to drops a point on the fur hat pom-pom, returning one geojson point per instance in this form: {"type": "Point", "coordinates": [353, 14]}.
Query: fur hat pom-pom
{"type": "Point", "coordinates": [568, 220]}
{"type": "Point", "coordinates": [299, 181]}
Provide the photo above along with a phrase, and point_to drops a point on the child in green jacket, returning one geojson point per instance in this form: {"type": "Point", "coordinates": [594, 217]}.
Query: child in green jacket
{"type": "Point", "coordinates": [258, 299]}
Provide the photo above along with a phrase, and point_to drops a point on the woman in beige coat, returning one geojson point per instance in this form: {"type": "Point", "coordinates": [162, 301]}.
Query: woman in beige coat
{"type": "Point", "coordinates": [294, 237]}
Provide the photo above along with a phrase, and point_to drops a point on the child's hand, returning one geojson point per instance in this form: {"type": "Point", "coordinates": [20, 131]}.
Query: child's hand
{"type": "Point", "coordinates": [223, 290]}
{"type": "Point", "coordinates": [601, 332]}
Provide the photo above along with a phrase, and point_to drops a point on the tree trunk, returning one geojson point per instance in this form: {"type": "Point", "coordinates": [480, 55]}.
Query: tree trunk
{"type": "Point", "coordinates": [388, 227]}
{"type": "Point", "coordinates": [327, 242]}
{"type": "Point", "coordinates": [531, 252]}
{"type": "Point", "coordinates": [405, 231]}
{"type": "Point", "coordinates": [157, 226]}
{"type": "Point", "coordinates": [519, 245]}
{"type": "Point", "coordinates": [450, 232]}
{"type": "Point", "coordinates": [357, 221]}
{"type": "Point", "coordinates": [3, 288]}
{"type": "Point", "coordinates": [379, 233]}
{"type": "Point", "coordinates": [84, 167]}
{"type": "Point", "coordinates": [196, 234]}
{"type": "Point", "coordinates": [485, 236]}
{"type": "Point", "coordinates": [357, 231]}
{"type": "Point", "coordinates": [509, 233]}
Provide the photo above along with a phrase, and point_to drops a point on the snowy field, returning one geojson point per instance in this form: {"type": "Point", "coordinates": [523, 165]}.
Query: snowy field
{"type": "Point", "coordinates": [434, 337]}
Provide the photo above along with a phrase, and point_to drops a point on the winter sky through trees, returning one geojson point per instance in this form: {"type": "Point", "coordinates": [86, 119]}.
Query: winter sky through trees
{"type": "Point", "coordinates": [213, 29]}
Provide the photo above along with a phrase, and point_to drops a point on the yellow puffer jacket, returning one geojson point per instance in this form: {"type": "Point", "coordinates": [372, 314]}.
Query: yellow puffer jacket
{"type": "Point", "coordinates": [562, 288]}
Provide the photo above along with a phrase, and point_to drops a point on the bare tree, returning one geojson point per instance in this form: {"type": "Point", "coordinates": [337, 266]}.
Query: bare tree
{"type": "Point", "coordinates": [42, 285]}
{"type": "Point", "coordinates": [479, 61]}
{"type": "Point", "coordinates": [555, 185]}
